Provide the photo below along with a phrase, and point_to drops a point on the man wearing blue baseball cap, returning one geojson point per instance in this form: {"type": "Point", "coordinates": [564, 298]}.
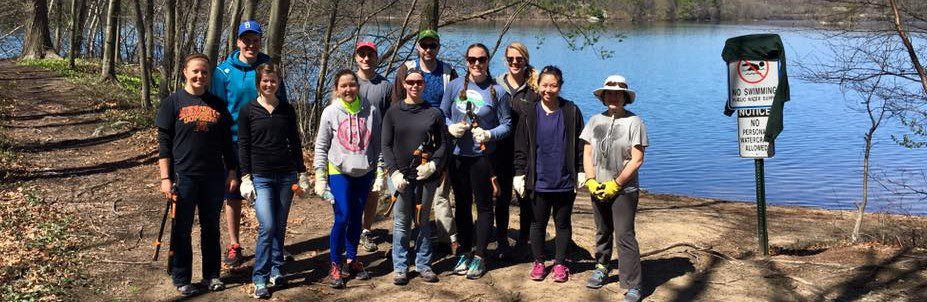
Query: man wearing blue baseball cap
{"type": "Point", "coordinates": [233, 81]}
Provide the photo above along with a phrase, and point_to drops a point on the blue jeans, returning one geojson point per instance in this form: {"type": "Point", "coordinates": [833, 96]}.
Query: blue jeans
{"type": "Point", "coordinates": [403, 214]}
{"type": "Point", "coordinates": [202, 192]}
{"type": "Point", "coordinates": [271, 206]}
{"type": "Point", "coordinates": [350, 195]}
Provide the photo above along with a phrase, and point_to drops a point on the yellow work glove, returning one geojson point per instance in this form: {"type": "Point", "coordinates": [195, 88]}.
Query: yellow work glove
{"type": "Point", "coordinates": [594, 188]}
{"type": "Point", "coordinates": [609, 189]}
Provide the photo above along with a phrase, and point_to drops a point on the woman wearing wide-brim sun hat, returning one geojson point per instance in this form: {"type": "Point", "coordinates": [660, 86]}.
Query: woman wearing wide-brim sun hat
{"type": "Point", "coordinates": [614, 151]}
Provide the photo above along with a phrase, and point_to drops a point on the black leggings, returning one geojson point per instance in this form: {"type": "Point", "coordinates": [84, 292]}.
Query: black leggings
{"type": "Point", "coordinates": [470, 180]}
{"type": "Point", "coordinates": [561, 204]}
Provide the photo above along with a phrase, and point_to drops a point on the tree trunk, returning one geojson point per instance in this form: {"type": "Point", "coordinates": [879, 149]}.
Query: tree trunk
{"type": "Point", "coordinates": [109, 44]}
{"type": "Point", "coordinates": [279, 10]}
{"type": "Point", "coordinates": [912, 52]}
{"type": "Point", "coordinates": [58, 23]}
{"type": "Point", "coordinates": [233, 27]}
{"type": "Point", "coordinates": [149, 30]}
{"type": "Point", "coordinates": [77, 18]}
{"type": "Point", "coordinates": [37, 42]}
{"type": "Point", "coordinates": [213, 31]}
{"type": "Point", "coordinates": [92, 29]}
{"type": "Point", "coordinates": [143, 58]}
{"type": "Point", "coordinates": [178, 48]}
{"type": "Point", "coordinates": [248, 9]}
{"type": "Point", "coordinates": [190, 45]}
{"type": "Point", "coordinates": [861, 208]}
{"type": "Point", "coordinates": [323, 62]}
{"type": "Point", "coordinates": [431, 13]}
{"type": "Point", "coordinates": [167, 62]}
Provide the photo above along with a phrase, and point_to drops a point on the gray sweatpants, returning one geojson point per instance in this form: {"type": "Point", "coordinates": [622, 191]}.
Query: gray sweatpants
{"type": "Point", "coordinates": [614, 220]}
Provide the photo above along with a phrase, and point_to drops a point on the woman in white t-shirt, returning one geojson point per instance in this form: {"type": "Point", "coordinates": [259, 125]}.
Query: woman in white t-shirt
{"type": "Point", "coordinates": [614, 151]}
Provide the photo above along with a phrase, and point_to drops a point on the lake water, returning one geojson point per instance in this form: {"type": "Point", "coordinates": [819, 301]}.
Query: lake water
{"type": "Point", "coordinates": [681, 87]}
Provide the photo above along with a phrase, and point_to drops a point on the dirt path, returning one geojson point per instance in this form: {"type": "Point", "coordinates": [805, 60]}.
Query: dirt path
{"type": "Point", "coordinates": [75, 152]}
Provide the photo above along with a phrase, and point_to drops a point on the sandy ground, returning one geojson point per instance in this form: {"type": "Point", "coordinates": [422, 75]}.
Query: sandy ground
{"type": "Point", "coordinates": [75, 153]}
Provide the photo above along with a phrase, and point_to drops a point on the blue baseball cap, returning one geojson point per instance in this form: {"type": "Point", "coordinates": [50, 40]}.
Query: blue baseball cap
{"type": "Point", "coordinates": [250, 26]}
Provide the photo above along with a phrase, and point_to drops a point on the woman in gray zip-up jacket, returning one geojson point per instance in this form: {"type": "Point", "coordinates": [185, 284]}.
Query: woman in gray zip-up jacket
{"type": "Point", "coordinates": [347, 147]}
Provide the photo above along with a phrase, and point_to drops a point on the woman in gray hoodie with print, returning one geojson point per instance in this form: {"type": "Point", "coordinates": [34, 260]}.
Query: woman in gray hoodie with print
{"type": "Point", "coordinates": [347, 148]}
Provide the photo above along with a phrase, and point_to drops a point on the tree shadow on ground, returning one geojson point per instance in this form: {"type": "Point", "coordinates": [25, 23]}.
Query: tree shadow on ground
{"type": "Point", "coordinates": [143, 159]}
{"type": "Point", "coordinates": [53, 114]}
{"type": "Point", "coordinates": [74, 143]}
{"type": "Point", "coordinates": [879, 276]}
{"type": "Point", "coordinates": [659, 271]}
{"type": "Point", "coordinates": [54, 125]}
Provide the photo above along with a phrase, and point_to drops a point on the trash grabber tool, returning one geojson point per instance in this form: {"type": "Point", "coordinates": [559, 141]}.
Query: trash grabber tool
{"type": "Point", "coordinates": [170, 250]}
{"type": "Point", "coordinates": [157, 243]}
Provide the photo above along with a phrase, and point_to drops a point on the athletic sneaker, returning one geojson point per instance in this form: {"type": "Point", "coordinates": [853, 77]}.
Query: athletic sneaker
{"type": "Point", "coordinates": [188, 290]}
{"type": "Point", "coordinates": [261, 291]}
{"type": "Point", "coordinates": [561, 273]}
{"type": "Point", "coordinates": [477, 268]}
{"type": "Point", "coordinates": [538, 271]}
{"type": "Point", "coordinates": [277, 281]}
{"type": "Point", "coordinates": [599, 275]}
{"type": "Point", "coordinates": [463, 265]}
{"type": "Point", "coordinates": [633, 295]}
{"type": "Point", "coordinates": [287, 257]}
{"type": "Point", "coordinates": [335, 275]}
{"type": "Point", "coordinates": [358, 271]}
{"type": "Point", "coordinates": [214, 284]}
{"type": "Point", "coordinates": [428, 276]}
{"type": "Point", "coordinates": [233, 257]}
{"type": "Point", "coordinates": [366, 241]}
{"type": "Point", "coordinates": [400, 279]}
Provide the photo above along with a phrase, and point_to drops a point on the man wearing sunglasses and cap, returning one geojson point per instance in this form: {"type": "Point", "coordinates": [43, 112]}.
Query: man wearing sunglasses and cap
{"type": "Point", "coordinates": [233, 82]}
{"type": "Point", "coordinates": [437, 75]}
{"type": "Point", "coordinates": [377, 90]}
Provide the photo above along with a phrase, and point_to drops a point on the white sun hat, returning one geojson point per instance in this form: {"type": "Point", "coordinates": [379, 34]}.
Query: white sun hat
{"type": "Point", "coordinates": [615, 83]}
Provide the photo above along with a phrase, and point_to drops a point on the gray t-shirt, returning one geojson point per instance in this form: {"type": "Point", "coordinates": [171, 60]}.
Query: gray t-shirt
{"type": "Point", "coordinates": [377, 92]}
{"type": "Point", "coordinates": [612, 140]}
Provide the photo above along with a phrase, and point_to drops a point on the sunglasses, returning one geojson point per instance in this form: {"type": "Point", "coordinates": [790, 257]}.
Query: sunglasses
{"type": "Point", "coordinates": [515, 60]}
{"type": "Point", "coordinates": [429, 46]}
{"type": "Point", "coordinates": [474, 60]}
{"type": "Point", "coordinates": [415, 82]}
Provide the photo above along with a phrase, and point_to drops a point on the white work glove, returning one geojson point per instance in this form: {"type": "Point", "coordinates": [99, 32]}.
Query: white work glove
{"type": "Point", "coordinates": [458, 129]}
{"type": "Point", "coordinates": [518, 184]}
{"type": "Point", "coordinates": [379, 181]}
{"type": "Point", "coordinates": [321, 182]}
{"type": "Point", "coordinates": [399, 181]}
{"type": "Point", "coordinates": [247, 188]}
{"type": "Point", "coordinates": [580, 179]}
{"type": "Point", "coordinates": [304, 181]}
{"type": "Point", "coordinates": [480, 136]}
{"type": "Point", "coordinates": [425, 171]}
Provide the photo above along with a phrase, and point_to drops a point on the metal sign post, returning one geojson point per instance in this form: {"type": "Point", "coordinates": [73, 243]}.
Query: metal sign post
{"type": "Point", "coordinates": [757, 90]}
{"type": "Point", "coordinates": [761, 207]}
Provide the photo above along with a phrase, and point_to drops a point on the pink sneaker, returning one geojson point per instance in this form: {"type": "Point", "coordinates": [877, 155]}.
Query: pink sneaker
{"type": "Point", "coordinates": [561, 273]}
{"type": "Point", "coordinates": [538, 271]}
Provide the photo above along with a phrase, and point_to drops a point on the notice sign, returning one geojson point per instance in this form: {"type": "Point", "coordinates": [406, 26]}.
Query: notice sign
{"type": "Point", "coordinates": [751, 127]}
{"type": "Point", "coordinates": [752, 83]}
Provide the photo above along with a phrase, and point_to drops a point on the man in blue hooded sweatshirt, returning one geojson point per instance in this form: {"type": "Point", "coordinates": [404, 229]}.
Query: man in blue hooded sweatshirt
{"type": "Point", "coordinates": [233, 81]}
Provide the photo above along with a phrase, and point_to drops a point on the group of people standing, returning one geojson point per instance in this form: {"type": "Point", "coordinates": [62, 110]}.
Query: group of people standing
{"type": "Point", "coordinates": [427, 135]}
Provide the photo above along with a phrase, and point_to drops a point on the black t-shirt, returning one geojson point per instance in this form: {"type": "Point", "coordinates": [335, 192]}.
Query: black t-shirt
{"type": "Point", "coordinates": [195, 133]}
{"type": "Point", "coordinates": [269, 142]}
{"type": "Point", "coordinates": [405, 128]}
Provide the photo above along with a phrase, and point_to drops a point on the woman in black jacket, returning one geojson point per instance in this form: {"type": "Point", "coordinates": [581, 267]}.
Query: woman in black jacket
{"type": "Point", "coordinates": [548, 155]}
{"type": "Point", "coordinates": [271, 156]}
{"type": "Point", "coordinates": [521, 84]}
